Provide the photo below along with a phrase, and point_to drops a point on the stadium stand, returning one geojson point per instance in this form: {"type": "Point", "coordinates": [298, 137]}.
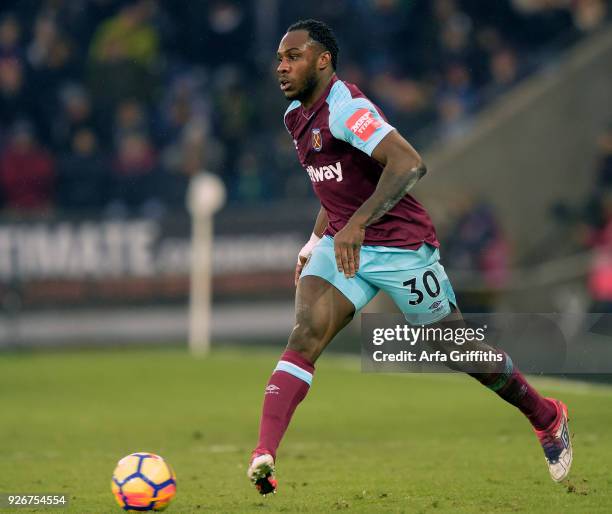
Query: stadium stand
{"type": "Point", "coordinates": [113, 107]}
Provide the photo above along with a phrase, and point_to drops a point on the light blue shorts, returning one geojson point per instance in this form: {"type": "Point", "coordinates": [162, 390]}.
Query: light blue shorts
{"type": "Point", "coordinates": [414, 279]}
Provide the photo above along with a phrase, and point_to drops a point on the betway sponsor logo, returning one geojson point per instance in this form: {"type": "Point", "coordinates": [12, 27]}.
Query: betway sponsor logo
{"type": "Point", "coordinates": [329, 172]}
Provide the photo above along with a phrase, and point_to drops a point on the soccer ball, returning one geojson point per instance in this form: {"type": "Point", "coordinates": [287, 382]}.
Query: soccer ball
{"type": "Point", "coordinates": [143, 481]}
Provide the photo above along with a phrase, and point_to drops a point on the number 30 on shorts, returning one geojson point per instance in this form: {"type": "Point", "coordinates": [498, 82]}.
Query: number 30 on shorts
{"type": "Point", "coordinates": [430, 284]}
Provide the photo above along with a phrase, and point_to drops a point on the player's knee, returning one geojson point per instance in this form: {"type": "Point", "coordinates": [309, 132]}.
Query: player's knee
{"type": "Point", "coordinates": [306, 340]}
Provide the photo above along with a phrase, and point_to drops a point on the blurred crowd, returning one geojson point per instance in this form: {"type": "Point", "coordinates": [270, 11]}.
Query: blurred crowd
{"type": "Point", "coordinates": [594, 222]}
{"type": "Point", "coordinates": [111, 105]}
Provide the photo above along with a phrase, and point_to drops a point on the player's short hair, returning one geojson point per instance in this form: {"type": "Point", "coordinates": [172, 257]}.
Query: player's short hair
{"type": "Point", "coordinates": [321, 33]}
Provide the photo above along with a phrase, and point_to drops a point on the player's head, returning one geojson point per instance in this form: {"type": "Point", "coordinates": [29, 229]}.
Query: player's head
{"type": "Point", "coordinates": [307, 54]}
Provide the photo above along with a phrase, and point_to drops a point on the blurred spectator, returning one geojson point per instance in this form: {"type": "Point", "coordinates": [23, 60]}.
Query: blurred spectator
{"type": "Point", "coordinates": [600, 273]}
{"type": "Point", "coordinates": [15, 99]}
{"type": "Point", "coordinates": [503, 67]}
{"type": "Point", "coordinates": [10, 33]}
{"type": "Point", "coordinates": [135, 174]}
{"type": "Point", "coordinates": [83, 179]}
{"type": "Point", "coordinates": [386, 22]}
{"type": "Point", "coordinates": [452, 118]}
{"type": "Point", "coordinates": [219, 32]}
{"type": "Point", "coordinates": [225, 38]}
{"type": "Point", "coordinates": [604, 167]}
{"type": "Point", "coordinates": [130, 118]}
{"type": "Point", "coordinates": [250, 186]}
{"type": "Point", "coordinates": [476, 243]}
{"type": "Point", "coordinates": [27, 173]}
{"type": "Point", "coordinates": [76, 112]}
{"type": "Point", "coordinates": [458, 83]}
{"type": "Point", "coordinates": [489, 40]}
{"type": "Point", "coordinates": [543, 20]}
{"type": "Point", "coordinates": [51, 63]}
{"type": "Point", "coordinates": [594, 228]}
{"type": "Point", "coordinates": [233, 116]}
{"type": "Point", "coordinates": [44, 39]}
{"type": "Point", "coordinates": [594, 212]}
{"type": "Point", "coordinates": [589, 14]}
{"type": "Point", "coordinates": [135, 156]}
{"type": "Point", "coordinates": [455, 32]}
{"type": "Point", "coordinates": [50, 54]}
{"type": "Point", "coordinates": [128, 36]}
{"type": "Point", "coordinates": [185, 100]}
{"type": "Point", "coordinates": [123, 54]}
{"type": "Point", "coordinates": [195, 151]}
{"type": "Point", "coordinates": [457, 99]}
{"type": "Point", "coordinates": [405, 101]}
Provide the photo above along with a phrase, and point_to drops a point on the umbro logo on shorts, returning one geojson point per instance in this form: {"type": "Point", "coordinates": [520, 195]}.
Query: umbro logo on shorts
{"type": "Point", "coordinates": [435, 306]}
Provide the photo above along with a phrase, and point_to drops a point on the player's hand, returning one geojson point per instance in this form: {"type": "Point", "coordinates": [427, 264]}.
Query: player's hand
{"type": "Point", "coordinates": [347, 244]}
{"type": "Point", "coordinates": [299, 267]}
{"type": "Point", "coordinates": [304, 255]}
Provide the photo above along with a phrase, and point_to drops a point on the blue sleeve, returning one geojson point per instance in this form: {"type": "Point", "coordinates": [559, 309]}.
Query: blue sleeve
{"type": "Point", "coordinates": [293, 105]}
{"type": "Point", "coordinates": [358, 123]}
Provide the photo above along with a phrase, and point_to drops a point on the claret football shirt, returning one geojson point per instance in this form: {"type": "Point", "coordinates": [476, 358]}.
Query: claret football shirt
{"type": "Point", "coordinates": [334, 142]}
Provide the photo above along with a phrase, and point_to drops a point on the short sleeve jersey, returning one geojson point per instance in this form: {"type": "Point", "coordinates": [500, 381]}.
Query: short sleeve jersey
{"type": "Point", "coordinates": [334, 142]}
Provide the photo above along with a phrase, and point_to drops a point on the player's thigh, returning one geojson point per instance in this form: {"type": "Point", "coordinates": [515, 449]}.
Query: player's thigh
{"type": "Point", "coordinates": [424, 294]}
{"type": "Point", "coordinates": [321, 311]}
{"type": "Point", "coordinates": [322, 264]}
{"type": "Point", "coordinates": [325, 300]}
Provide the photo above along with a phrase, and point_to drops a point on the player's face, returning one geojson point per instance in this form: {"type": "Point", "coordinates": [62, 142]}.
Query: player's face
{"type": "Point", "coordinates": [297, 65]}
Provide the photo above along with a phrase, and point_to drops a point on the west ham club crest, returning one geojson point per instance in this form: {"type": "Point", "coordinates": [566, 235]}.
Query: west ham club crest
{"type": "Point", "coordinates": [317, 139]}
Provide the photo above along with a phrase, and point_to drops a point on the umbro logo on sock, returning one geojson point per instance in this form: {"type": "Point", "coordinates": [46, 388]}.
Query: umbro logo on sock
{"type": "Point", "coordinates": [272, 389]}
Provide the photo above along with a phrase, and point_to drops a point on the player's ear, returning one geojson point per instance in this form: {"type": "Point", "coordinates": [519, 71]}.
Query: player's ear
{"type": "Point", "coordinates": [324, 60]}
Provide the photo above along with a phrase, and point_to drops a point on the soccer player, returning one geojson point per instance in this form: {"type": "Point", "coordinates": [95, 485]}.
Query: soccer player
{"type": "Point", "coordinates": [370, 234]}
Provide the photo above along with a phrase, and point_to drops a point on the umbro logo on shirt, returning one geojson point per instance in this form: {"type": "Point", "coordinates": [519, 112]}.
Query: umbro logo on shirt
{"type": "Point", "coordinates": [329, 172]}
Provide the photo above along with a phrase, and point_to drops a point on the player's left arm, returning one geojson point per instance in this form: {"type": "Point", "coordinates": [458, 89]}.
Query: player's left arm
{"type": "Point", "coordinates": [403, 167]}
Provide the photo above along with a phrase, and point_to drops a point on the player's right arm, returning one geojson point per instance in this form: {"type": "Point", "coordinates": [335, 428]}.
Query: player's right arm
{"type": "Point", "coordinates": [358, 122]}
{"type": "Point", "coordinates": [317, 234]}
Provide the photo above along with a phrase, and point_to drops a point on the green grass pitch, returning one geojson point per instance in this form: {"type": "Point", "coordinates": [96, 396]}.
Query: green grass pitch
{"type": "Point", "coordinates": [359, 443]}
